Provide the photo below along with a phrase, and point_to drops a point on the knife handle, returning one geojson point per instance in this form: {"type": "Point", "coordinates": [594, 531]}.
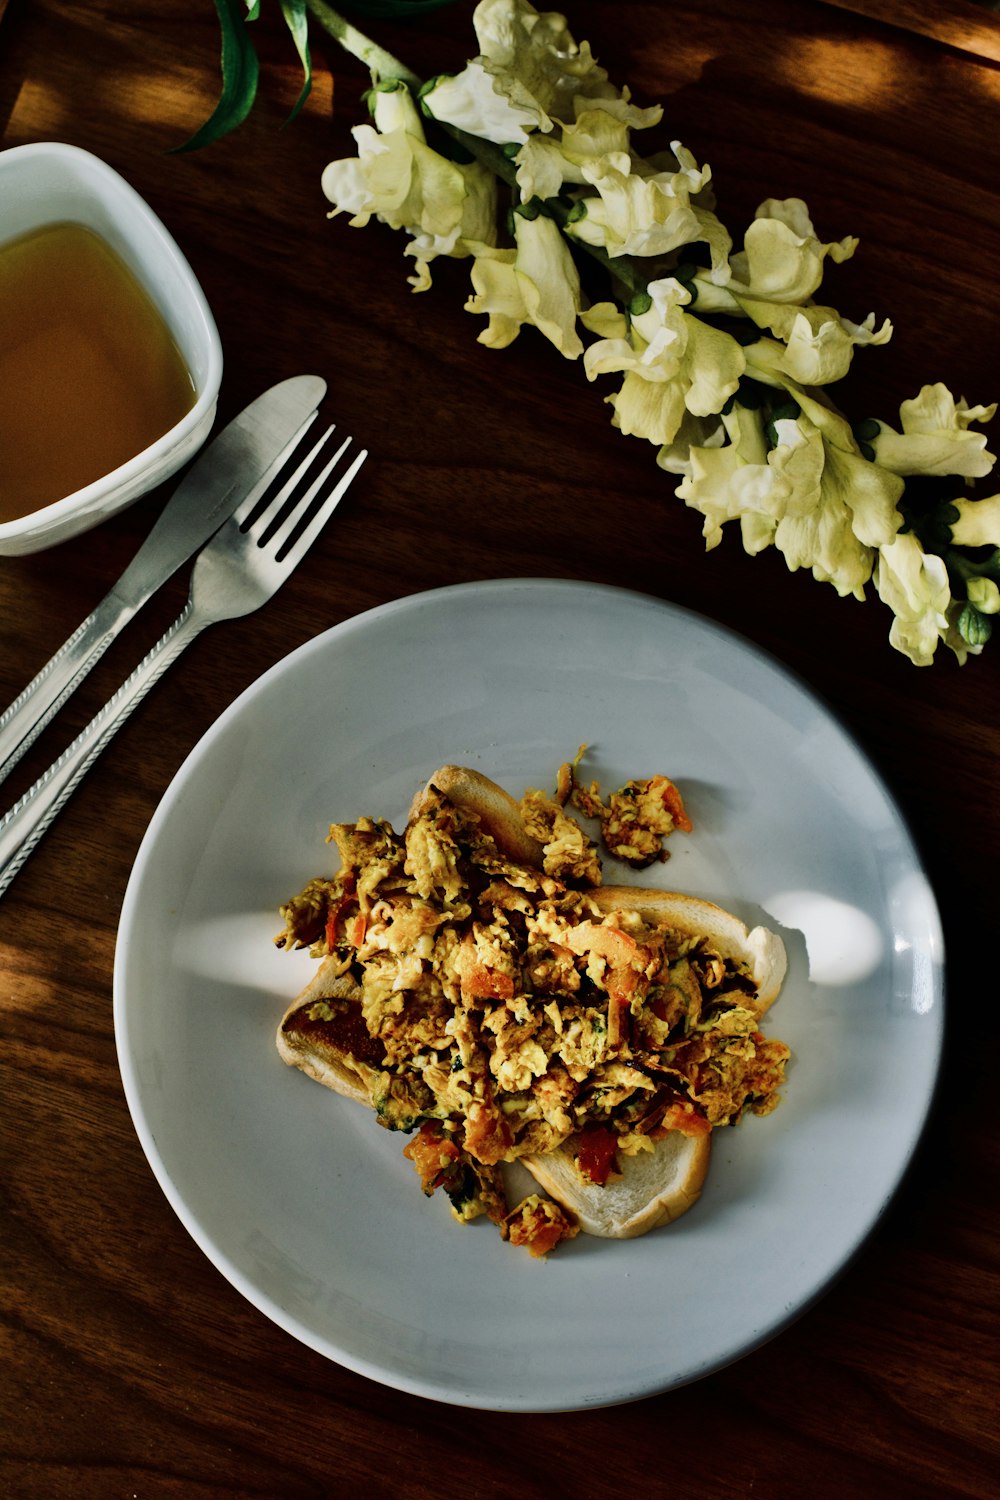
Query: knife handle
{"type": "Point", "coordinates": [29, 818]}
{"type": "Point", "coordinates": [27, 716]}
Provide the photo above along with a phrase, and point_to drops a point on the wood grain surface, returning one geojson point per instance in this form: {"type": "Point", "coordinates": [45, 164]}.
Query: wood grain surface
{"type": "Point", "coordinates": [130, 1367]}
{"type": "Point", "coordinates": [970, 25]}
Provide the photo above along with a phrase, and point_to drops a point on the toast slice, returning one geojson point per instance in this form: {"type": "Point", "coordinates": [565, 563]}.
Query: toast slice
{"type": "Point", "coordinates": [657, 1186]}
{"type": "Point", "coordinates": [328, 1040]}
{"type": "Point", "coordinates": [654, 1188]}
{"type": "Point", "coordinates": [323, 1031]}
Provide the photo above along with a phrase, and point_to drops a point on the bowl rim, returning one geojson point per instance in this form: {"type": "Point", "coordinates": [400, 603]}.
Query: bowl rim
{"type": "Point", "coordinates": [103, 181]}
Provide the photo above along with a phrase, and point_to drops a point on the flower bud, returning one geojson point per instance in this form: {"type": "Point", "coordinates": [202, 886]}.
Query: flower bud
{"type": "Point", "coordinates": [974, 628]}
{"type": "Point", "coordinates": [984, 595]}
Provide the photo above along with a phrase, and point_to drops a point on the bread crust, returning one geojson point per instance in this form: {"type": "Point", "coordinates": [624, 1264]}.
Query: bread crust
{"type": "Point", "coordinates": [498, 812]}
{"type": "Point", "coordinates": [654, 1188]}
{"type": "Point", "coordinates": [322, 1059]}
{"type": "Point", "coordinates": [759, 948]}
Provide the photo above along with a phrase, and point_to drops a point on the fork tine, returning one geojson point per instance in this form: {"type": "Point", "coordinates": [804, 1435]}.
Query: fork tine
{"type": "Point", "coordinates": [301, 542]}
{"type": "Point", "coordinates": [291, 523]}
{"type": "Point", "coordinates": [272, 510]}
{"type": "Point", "coordinates": [247, 506]}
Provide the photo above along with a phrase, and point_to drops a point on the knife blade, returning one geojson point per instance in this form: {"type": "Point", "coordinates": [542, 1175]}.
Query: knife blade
{"type": "Point", "coordinates": [244, 456]}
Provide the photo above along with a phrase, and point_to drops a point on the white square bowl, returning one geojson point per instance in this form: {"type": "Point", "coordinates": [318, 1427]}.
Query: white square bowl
{"type": "Point", "coordinates": [49, 182]}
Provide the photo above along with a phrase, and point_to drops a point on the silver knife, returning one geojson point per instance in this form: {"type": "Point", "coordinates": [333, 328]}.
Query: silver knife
{"type": "Point", "coordinates": [246, 454]}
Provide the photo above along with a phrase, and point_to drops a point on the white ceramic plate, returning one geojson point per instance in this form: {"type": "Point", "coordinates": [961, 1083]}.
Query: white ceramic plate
{"type": "Point", "coordinates": [309, 1208]}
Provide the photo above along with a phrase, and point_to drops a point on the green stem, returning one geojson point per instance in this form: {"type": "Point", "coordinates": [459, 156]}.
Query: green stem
{"type": "Point", "coordinates": [360, 46]}
{"type": "Point", "coordinates": [965, 568]}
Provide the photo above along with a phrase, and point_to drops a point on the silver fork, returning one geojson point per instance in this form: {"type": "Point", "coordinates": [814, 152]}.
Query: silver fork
{"type": "Point", "coordinates": [234, 574]}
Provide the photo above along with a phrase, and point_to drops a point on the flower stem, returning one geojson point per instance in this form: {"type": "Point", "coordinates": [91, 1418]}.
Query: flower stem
{"type": "Point", "coordinates": [966, 568]}
{"type": "Point", "coordinates": [360, 46]}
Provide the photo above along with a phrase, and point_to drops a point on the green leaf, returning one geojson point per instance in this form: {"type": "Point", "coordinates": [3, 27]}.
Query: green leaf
{"type": "Point", "coordinates": [297, 20]}
{"type": "Point", "coordinates": [240, 71]}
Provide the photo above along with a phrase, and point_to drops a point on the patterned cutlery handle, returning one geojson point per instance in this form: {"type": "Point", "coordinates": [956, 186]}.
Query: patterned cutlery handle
{"type": "Point", "coordinates": [27, 716]}
{"type": "Point", "coordinates": [28, 819]}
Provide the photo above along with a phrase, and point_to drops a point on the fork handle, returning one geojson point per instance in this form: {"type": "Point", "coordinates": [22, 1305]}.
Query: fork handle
{"type": "Point", "coordinates": [41, 700]}
{"type": "Point", "coordinates": [28, 819]}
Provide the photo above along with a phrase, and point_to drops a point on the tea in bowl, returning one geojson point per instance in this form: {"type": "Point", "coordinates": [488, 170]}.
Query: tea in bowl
{"type": "Point", "coordinates": [110, 360]}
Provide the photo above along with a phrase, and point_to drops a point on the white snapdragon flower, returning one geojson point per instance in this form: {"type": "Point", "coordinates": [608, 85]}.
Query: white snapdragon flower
{"type": "Point", "coordinates": [693, 435]}
{"type": "Point", "coordinates": [477, 225]}
{"type": "Point", "coordinates": [978, 523]}
{"type": "Point", "coordinates": [772, 281]}
{"type": "Point", "coordinates": [914, 584]}
{"type": "Point", "coordinates": [526, 77]}
{"type": "Point", "coordinates": [734, 482]}
{"type": "Point", "coordinates": [935, 437]}
{"type": "Point", "coordinates": [473, 102]}
{"type": "Point", "coordinates": [542, 168]}
{"type": "Point", "coordinates": [639, 213]}
{"type": "Point", "coordinates": [781, 261]}
{"type": "Point", "coordinates": [812, 494]}
{"type": "Point", "coordinates": [782, 257]}
{"type": "Point", "coordinates": [839, 516]}
{"type": "Point", "coordinates": [673, 363]}
{"type": "Point", "coordinates": [633, 116]}
{"type": "Point", "coordinates": [546, 162]}
{"type": "Point", "coordinates": [397, 178]}
{"type": "Point", "coordinates": [853, 495]}
{"type": "Point", "coordinates": [536, 283]}
{"type": "Point", "coordinates": [819, 343]}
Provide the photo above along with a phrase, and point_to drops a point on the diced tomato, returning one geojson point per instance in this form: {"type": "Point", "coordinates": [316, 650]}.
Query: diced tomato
{"type": "Point", "coordinates": [685, 1118]}
{"type": "Point", "coordinates": [481, 983]}
{"type": "Point", "coordinates": [488, 1136]}
{"type": "Point", "coordinates": [331, 930]}
{"type": "Point", "coordinates": [539, 1237]}
{"type": "Point", "coordinates": [622, 984]}
{"type": "Point", "coordinates": [673, 802]}
{"type": "Point", "coordinates": [478, 981]}
{"type": "Point", "coordinates": [621, 953]}
{"type": "Point", "coordinates": [434, 1153]}
{"type": "Point", "coordinates": [595, 1153]}
{"type": "Point", "coordinates": [335, 916]}
{"type": "Point", "coordinates": [540, 1225]}
{"type": "Point", "coordinates": [617, 948]}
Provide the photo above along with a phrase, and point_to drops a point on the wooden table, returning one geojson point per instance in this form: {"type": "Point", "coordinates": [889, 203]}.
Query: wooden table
{"type": "Point", "coordinates": [130, 1366]}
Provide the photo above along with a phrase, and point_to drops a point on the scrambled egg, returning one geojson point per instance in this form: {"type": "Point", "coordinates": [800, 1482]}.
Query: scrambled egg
{"type": "Point", "coordinates": [506, 1014]}
{"type": "Point", "coordinates": [635, 820]}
